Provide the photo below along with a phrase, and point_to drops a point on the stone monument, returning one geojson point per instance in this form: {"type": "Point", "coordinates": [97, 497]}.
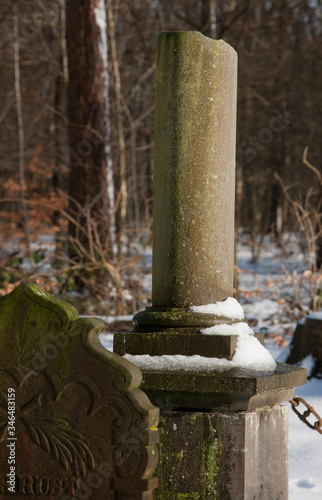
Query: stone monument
{"type": "Point", "coordinates": [223, 431]}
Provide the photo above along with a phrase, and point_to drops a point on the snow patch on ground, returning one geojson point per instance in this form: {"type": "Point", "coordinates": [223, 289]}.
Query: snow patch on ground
{"type": "Point", "coordinates": [261, 309]}
{"type": "Point", "coordinates": [107, 340]}
{"type": "Point", "coordinates": [315, 315]}
{"type": "Point", "coordinates": [305, 457]}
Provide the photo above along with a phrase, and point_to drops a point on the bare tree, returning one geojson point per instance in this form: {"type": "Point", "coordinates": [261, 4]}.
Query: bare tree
{"type": "Point", "coordinates": [120, 127]}
{"type": "Point", "coordinates": [21, 135]}
{"type": "Point", "coordinates": [209, 18]}
{"type": "Point", "coordinates": [91, 185]}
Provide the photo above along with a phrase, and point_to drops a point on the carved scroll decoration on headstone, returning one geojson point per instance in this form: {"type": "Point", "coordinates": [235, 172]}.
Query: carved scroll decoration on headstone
{"type": "Point", "coordinates": [73, 423]}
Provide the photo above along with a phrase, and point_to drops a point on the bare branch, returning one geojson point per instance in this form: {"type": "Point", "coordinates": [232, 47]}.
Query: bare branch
{"type": "Point", "coordinates": [310, 166]}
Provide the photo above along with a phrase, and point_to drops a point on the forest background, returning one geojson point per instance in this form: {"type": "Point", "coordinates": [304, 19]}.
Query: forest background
{"type": "Point", "coordinates": [76, 135]}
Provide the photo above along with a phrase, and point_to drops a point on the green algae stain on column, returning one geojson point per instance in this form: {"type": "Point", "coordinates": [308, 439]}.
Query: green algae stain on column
{"type": "Point", "coordinates": [194, 170]}
{"type": "Point", "coordinates": [211, 464]}
{"type": "Point", "coordinates": [189, 458]}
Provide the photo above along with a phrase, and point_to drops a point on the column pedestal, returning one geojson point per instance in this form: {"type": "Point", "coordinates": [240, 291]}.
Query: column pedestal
{"type": "Point", "coordinates": [222, 455]}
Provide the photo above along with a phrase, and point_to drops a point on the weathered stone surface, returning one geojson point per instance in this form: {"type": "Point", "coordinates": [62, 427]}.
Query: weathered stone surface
{"type": "Point", "coordinates": [212, 455]}
{"type": "Point", "coordinates": [177, 317]}
{"type": "Point", "coordinates": [235, 389]}
{"type": "Point", "coordinates": [177, 341]}
{"type": "Point", "coordinates": [183, 342]}
{"type": "Point", "coordinates": [79, 427]}
{"type": "Point", "coordinates": [194, 187]}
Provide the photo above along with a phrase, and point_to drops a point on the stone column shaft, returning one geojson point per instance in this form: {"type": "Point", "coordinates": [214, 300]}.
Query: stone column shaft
{"type": "Point", "coordinates": [194, 170]}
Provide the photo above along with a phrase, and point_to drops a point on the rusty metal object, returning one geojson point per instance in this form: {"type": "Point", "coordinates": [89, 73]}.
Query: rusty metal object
{"type": "Point", "coordinates": [304, 416]}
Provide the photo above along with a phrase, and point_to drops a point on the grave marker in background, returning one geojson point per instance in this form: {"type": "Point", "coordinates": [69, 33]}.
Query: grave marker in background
{"type": "Point", "coordinates": [307, 341]}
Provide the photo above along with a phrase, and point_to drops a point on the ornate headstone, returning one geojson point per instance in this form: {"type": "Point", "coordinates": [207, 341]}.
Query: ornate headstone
{"type": "Point", "coordinates": [73, 423]}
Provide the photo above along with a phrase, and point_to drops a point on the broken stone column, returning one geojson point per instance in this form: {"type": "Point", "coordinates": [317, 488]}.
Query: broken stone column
{"type": "Point", "coordinates": [209, 418]}
{"type": "Point", "coordinates": [194, 183]}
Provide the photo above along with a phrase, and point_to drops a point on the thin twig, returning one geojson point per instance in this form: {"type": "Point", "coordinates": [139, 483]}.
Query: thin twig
{"type": "Point", "coordinates": [310, 166]}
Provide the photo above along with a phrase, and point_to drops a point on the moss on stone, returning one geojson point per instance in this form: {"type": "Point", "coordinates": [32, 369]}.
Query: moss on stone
{"type": "Point", "coordinates": [211, 464]}
{"type": "Point", "coordinates": [196, 82]}
{"type": "Point", "coordinates": [189, 457]}
{"type": "Point", "coordinates": [32, 323]}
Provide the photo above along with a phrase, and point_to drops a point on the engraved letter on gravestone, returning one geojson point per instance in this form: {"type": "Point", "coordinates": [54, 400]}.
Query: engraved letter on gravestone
{"type": "Point", "coordinates": [73, 423]}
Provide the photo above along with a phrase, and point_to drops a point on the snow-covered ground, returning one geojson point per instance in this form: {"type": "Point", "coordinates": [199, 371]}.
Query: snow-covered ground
{"type": "Point", "coordinates": [268, 292]}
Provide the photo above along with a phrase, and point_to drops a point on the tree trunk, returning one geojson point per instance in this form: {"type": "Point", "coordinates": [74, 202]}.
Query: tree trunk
{"type": "Point", "coordinates": [61, 129]}
{"type": "Point", "coordinates": [91, 187]}
{"type": "Point", "coordinates": [123, 195]}
{"type": "Point", "coordinates": [209, 18]}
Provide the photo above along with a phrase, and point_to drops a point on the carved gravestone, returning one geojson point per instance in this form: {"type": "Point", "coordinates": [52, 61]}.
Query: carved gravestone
{"type": "Point", "coordinates": [73, 423]}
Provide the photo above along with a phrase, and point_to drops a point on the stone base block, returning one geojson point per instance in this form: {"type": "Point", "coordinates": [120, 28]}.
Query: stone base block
{"type": "Point", "coordinates": [167, 331]}
{"type": "Point", "coordinates": [171, 341]}
{"type": "Point", "coordinates": [224, 455]}
{"type": "Point", "coordinates": [236, 389]}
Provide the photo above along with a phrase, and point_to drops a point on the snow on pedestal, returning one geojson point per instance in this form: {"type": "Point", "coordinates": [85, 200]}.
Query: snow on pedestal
{"type": "Point", "coordinates": [230, 308]}
{"type": "Point", "coordinates": [249, 353]}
